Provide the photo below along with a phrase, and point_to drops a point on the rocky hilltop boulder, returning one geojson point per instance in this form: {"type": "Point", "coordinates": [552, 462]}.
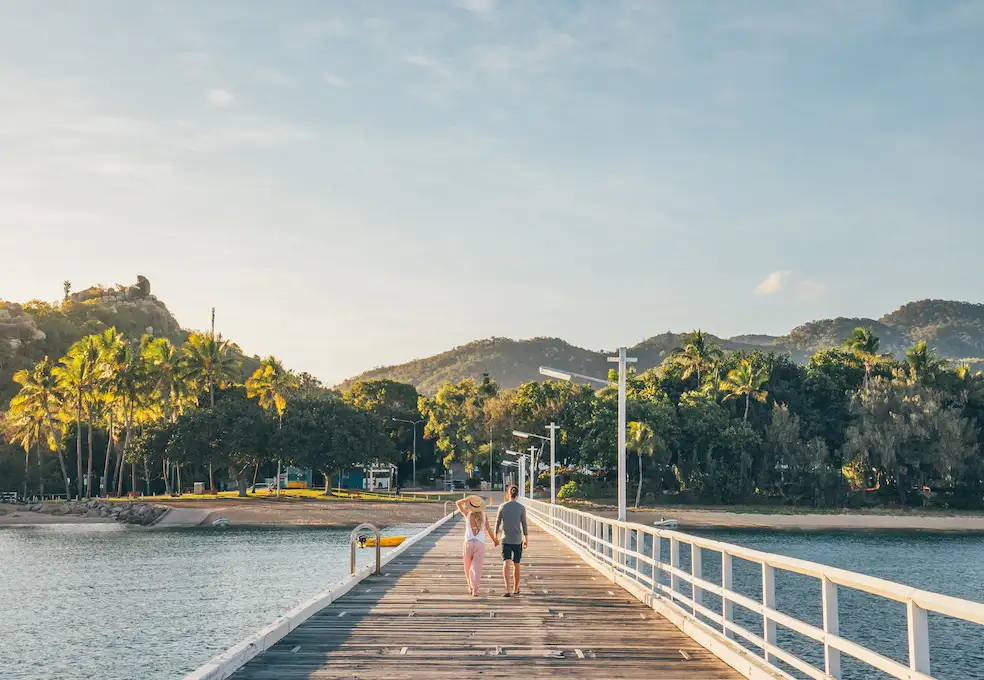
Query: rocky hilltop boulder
{"type": "Point", "coordinates": [33, 330]}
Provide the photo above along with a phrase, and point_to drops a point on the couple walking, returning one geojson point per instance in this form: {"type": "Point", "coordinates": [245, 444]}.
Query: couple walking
{"type": "Point", "coordinates": [510, 524]}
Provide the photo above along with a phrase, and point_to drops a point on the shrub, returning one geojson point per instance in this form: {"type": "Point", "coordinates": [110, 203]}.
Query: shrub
{"type": "Point", "coordinates": [569, 490]}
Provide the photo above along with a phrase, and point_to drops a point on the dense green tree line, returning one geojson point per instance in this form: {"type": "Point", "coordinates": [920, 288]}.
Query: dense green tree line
{"type": "Point", "coordinates": [167, 411]}
{"type": "Point", "coordinates": [851, 426]}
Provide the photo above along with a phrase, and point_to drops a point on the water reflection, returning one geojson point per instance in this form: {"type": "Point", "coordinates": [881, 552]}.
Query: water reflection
{"type": "Point", "coordinates": [118, 602]}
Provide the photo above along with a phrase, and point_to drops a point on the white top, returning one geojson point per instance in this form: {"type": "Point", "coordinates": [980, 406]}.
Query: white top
{"type": "Point", "coordinates": [471, 535]}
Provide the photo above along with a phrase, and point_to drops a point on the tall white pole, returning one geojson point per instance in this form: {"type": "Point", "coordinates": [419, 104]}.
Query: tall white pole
{"type": "Point", "coordinates": [415, 455]}
{"type": "Point", "coordinates": [621, 434]}
{"type": "Point", "coordinates": [533, 470]}
{"type": "Point", "coordinates": [553, 462]}
{"type": "Point", "coordinates": [522, 475]}
{"type": "Point", "coordinates": [622, 361]}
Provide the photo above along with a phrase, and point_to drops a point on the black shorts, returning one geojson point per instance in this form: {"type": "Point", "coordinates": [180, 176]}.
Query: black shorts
{"type": "Point", "coordinates": [512, 552]}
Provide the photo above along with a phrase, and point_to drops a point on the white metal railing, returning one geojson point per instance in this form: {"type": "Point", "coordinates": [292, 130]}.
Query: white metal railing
{"type": "Point", "coordinates": [611, 542]}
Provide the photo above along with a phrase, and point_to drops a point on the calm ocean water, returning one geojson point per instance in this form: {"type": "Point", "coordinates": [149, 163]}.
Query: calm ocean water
{"type": "Point", "coordinates": [114, 602]}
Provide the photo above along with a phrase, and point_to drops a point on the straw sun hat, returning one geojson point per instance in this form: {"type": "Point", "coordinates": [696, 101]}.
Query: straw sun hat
{"type": "Point", "coordinates": [476, 503]}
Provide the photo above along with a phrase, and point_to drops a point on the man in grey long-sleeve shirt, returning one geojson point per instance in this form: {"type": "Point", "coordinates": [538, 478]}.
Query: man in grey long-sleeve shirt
{"type": "Point", "coordinates": [511, 520]}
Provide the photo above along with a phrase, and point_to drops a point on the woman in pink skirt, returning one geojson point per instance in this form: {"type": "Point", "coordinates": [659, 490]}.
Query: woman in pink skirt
{"type": "Point", "coordinates": [476, 526]}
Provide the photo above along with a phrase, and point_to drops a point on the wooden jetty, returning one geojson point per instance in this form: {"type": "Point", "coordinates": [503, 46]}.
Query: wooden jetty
{"type": "Point", "coordinates": [417, 620]}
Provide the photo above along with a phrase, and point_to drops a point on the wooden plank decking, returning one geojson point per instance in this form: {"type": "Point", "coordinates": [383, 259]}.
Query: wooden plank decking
{"type": "Point", "coordinates": [418, 621]}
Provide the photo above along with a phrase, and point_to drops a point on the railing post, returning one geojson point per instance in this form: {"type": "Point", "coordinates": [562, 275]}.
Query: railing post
{"type": "Point", "coordinates": [727, 583]}
{"type": "Point", "coordinates": [656, 540]}
{"type": "Point", "coordinates": [675, 563]}
{"type": "Point", "coordinates": [831, 626]}
{"type": "Point", "coordinates": [918, 637]}
{"type": "Point", "coordinates": [621, 547]}
{"type": "Point", "coordinates": [769, 600]}
{"type": "Point", "coordinates": [696, 570]}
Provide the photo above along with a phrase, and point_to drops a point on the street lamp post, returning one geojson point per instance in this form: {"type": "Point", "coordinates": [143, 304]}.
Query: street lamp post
{"type": "Point", "coordinates": [534, 464]}
{"type": "Point", "coordinates": [622, 360]}
{"type": "Point", "coordinates": [414, 424]}
{"type": "Point", "coordinates": [552, 427]}
{"type": "Point", "coordinates": [521, 464]}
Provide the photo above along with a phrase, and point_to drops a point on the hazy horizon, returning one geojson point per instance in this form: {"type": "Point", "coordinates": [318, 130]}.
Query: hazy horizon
{"type": "Point", "coordinates": [359, 185]}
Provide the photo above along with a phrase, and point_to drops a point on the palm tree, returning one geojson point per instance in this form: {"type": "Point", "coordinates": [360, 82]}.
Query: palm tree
{"type": "Point", "coordinates": [746, 381]}
{"type": "Point", "coordinates": [209, 361]}
{"type": "Point", "coordinates": [77, 376]}
{"type": "Point", "coordinates": [72, 376]}
{"type": "Point", "coordinates": [25, 426]}
{"type": "Point", "coordinates": [165, 364]}
{"type": "Point", "coordinates": [270, 384]}
{"type": "Point", "coordinates": [922, 360]}
{"type": "Point", "coordinates": [864, 344]}
{"type": "Point", "coordinates": [697, 354]}
{"type": "Point", "coordinates": [641, 440]}
{"type": "Point", "coordinates": [40, 393]}
{"type": "Point", "coordinates": [108, 344]}
{"type": "Point", "coordinates": [127, 385]}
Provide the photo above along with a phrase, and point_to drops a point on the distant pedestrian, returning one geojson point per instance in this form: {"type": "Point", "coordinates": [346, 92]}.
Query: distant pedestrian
{"type": "Point", "coordinates": [473, 551]}
{"type": "Point", "coordinates": [511, 520]}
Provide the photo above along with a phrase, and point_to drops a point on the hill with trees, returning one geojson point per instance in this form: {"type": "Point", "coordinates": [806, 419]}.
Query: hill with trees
{"type": "Point", "coordinates": [33, 330]}
{"type": "Point", "coordinates": [954, 330]}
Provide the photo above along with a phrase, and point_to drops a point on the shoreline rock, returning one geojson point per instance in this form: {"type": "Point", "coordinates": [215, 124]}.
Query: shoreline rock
{"type": "Point", "coordinates": [128, 512]}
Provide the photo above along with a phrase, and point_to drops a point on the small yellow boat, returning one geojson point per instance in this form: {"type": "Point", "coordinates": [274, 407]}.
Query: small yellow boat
{"type": "Point", "coordinates": [384, 542]}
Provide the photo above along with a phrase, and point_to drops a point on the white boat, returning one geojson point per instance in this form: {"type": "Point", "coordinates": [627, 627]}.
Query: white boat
{"type": "Point", "coordinates": [221, 522]}
{"type": "Point", "coordinates": [666, 523]}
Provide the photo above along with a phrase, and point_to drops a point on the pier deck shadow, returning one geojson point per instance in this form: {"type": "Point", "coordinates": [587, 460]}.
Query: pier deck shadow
{"type": "Point", "coordinates": [418, 621]}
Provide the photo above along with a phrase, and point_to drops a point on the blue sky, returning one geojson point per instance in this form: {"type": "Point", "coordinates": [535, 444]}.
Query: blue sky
{"type": "Point", "coordinates": [355, 184]}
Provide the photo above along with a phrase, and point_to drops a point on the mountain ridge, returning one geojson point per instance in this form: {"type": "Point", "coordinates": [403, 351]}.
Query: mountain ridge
{"type": "Point", "coordinates": [954, 329]}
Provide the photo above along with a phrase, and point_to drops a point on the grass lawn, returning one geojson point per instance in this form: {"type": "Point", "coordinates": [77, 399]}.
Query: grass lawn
{"type": "Point", "coordinates": [305, 494]}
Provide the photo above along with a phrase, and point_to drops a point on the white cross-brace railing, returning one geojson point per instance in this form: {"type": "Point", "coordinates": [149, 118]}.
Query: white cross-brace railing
{"type": "Point", "coordinates": [609, 542]}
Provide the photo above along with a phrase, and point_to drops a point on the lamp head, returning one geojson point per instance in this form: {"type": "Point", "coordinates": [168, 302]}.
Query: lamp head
{"type": "Point", "coordinates": [554, 373]}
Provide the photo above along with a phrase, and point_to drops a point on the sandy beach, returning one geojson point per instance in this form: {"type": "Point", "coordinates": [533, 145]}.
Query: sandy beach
{"type": "Point", "coordinates": [347, 513]}
{"type": "Point", "coordinates": [257, 512]}
{"type": "Point", "coordinates": [325, 513]}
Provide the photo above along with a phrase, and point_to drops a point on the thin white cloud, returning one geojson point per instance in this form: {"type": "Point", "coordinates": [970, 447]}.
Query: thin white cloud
{"type": "Point", "coordinates": [420, 60]}
{"type": "Point", "coordinates": [539, 54]}
{"type": "Point", "coordinates": [477, 6]}
{"type": "Point", "coordinates": [220, 98]}
{"type": "Point", "coordinates": [811, 290]}
{"type": "Point", "coordinates": [773, 283]}
{"type": "Point", "coordinates": [333, 80]}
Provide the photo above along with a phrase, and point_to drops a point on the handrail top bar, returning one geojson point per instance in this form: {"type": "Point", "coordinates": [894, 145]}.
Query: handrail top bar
{"type": "Point", "coordinates": [955, 607]}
